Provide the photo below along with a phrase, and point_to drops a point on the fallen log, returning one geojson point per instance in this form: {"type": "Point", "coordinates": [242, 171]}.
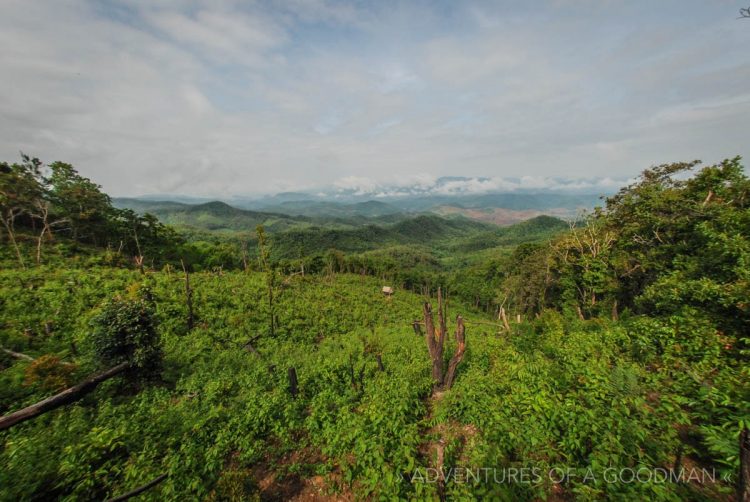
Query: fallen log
{"type": "Point", "coordinates": [139, 490]}
{"type": "Point", "coordinates": [67, 396]}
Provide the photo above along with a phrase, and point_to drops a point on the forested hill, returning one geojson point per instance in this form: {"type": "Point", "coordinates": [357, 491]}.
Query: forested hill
{"type": "Point", "coordinates": [212, 215]}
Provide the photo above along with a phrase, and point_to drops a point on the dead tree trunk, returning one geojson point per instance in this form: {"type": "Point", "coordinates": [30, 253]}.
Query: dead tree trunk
{"type": "Point", "coordinates": [435, 340]}
{"type": "Point", "coordinates": [188, 298]}
{"type": "Point", "coordinates": [435, 337]}
{"type": "Point", "coordinates": [138, 260]}
{"type": "Point", "coordinates": [67, 396]}
{"type": "Point", "coordinates": [743, 483]}
{"type": "Point", "coordinates": [615, 315]}
{"type": "Point", "coordinates": [139, 490]}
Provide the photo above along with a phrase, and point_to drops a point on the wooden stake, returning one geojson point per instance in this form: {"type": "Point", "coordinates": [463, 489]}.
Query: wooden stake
{"type": "Point", "coordinates": [188, 298]}
{"type": "Point", "coordinates": [292, 374]}
{"type": "Point", "coordinates": [417, 328]}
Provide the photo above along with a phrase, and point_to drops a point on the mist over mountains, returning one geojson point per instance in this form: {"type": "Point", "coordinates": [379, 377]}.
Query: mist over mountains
{"type": "Point", "coordinates": [363, 196]}
{"type": "Point", "coordinates": [356, 201]}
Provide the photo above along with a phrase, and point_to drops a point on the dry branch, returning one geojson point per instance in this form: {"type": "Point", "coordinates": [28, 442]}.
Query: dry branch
{"type": "Point", "coordinates": [17, 355]}
{"type": "Point", "coordinates": [25, 357]}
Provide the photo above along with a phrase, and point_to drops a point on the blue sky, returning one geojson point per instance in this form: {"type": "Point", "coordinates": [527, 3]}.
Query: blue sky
{"type": "Point", "coordinates": [225, 98]}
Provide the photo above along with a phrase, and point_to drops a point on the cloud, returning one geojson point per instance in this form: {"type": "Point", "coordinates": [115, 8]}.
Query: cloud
{"type": "Point", "coordinates": [422, 185]}
{"type": "Point", "coordinates": [229, 97]}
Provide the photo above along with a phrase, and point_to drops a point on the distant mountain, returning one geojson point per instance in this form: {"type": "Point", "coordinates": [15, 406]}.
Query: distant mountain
{"type": "Point", "coordinates": [215, 215]}
{"type": "Point", "coordinates": [514, 201]}
{"type": "Point", "coordinates": [312, 208]}
{"type": "Point", "coordinates": [148, 206]}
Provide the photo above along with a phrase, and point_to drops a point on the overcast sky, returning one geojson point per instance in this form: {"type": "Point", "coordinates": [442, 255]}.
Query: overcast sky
{"type": "Point", "coordinates": [220, 97]}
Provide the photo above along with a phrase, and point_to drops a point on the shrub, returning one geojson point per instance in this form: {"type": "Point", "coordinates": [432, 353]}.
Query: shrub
{"type": "Point", "coordinates": [124, 330]}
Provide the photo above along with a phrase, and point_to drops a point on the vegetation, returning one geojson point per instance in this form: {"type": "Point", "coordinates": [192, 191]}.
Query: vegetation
{"type": "Point", "coordinates": [624, 351]}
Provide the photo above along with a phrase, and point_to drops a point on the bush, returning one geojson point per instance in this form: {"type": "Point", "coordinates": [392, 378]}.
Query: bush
{"type": "Point", "coordinates": [125, 330]}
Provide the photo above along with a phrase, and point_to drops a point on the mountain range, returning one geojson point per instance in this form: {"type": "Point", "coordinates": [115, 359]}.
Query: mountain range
{"type": "Point", "coordinates": [354, 204]}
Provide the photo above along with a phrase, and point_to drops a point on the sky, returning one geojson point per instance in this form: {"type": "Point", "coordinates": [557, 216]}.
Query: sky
{"type": "Point", "coordinates": [226, 98]}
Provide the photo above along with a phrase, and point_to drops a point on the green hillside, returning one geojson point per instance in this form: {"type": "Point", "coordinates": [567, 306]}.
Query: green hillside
{"type": "Point", "coordinates": [425, 230]}
{"type": "Point", "coordinates": [207, 366]}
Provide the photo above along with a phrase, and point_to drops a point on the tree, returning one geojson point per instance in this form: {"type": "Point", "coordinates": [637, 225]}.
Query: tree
{"type": "Point", "coordinates": [264, 260]}
{"type": "Point", "coordinates": [81, 202]}
{"type": "Point", "coordinates": [20, 192]}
